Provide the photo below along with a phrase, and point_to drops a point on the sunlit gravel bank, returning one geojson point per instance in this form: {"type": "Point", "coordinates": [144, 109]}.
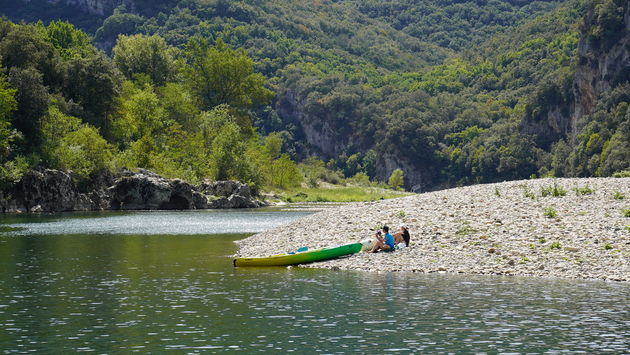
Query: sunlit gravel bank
{"type": "Point", "coordinates": [507, 228]}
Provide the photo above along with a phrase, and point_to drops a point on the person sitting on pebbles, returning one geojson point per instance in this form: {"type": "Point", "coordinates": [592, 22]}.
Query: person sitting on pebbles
{"type": "Point", "coordinates": [383, 243]}
{"type": "Point", "coordinates": [402, 237]}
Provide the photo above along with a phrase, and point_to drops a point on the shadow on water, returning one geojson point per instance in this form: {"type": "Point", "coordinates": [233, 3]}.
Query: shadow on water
{"type": "Point", "coordinates": [121, 293]}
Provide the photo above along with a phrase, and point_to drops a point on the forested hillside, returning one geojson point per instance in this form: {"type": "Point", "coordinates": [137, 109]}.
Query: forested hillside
{"type": "Point", "coordinates": [451, 92]}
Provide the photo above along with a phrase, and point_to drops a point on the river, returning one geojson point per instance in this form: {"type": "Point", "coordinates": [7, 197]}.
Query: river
{"type": "Point", "coordinates": [163, 282]}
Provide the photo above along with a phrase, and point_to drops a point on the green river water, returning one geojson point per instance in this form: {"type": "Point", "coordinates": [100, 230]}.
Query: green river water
{"type": "Point", "coordinates": [163, 282]}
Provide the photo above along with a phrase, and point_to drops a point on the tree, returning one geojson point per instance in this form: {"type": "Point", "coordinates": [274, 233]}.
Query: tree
{"type": "Point", "coordinates": [149, 55]}
{"type": "Point", "coordinates": [221, 75]}
{"type": "Point", "coordinates": [32, 103]}
{"type": "Point", "coordinates": [94, 83]}
{"type": "Point", "coordinates": [396, 179]}
{"type": "Point", "coordinates": [69, 41]}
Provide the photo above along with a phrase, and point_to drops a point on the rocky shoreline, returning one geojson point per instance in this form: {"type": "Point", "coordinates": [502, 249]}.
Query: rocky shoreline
{"type": "Point", "coordinates": [510, 228]}
{"type": "Point", "coordinates": [51, 190]}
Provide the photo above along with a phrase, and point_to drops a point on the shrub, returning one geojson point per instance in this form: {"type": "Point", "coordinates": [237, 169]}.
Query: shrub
{"type": "Point", "coordinates": [550, 212]}
{"type": "Point", "coordinates": [607, 246]}
{"type": "Point", "coordinates": [527, 193]}
{"type": "Point", "coordinates": [542, 240]}
{"type": "Point", "coordinates": [555, 245]}
{"type": "Point", "coordinates": [555, 191]}
{"type": "Point", "coordinates": [586, 190]}
{"type": "Point", "coordinates": [618, 196]}
{"type": "Point", "coordinates": [402, 214]}
{"type": "Point", "coordinates": [622, 174]}
{"type": "Point", "coordinates": [497, 192]}
{"type": "Point", "coordinates": [397, 179]}
{"type": "Point", "coordinates": [626, 212]}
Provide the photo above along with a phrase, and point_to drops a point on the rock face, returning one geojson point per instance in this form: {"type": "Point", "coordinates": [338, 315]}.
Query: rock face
{"type": "Point", "coordinates": [148, 191]}
{"type": "Point", "coordinates": [97, 7]}
{"type": "Point", "coordinates": [229, 194]}
{"type": "Point", "coordinates": [46, 190]}
{"type": "Point", "coordinates": [54, 191]}
{"type": "Point", "coordinates": [601, 66]}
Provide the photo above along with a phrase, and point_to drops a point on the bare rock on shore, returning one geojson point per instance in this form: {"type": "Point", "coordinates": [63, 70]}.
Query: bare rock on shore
{"type": "Point", "coordinates": [51, 190]}
{"type": "Point", "coordinates": [507, 228]}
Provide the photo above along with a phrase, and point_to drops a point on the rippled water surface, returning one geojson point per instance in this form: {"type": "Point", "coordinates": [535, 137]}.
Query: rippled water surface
{"type": "Point", "coordinates": [104, 289]}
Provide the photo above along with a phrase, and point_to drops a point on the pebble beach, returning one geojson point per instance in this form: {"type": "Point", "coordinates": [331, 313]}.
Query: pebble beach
{"type": "Point", "coordinates": [567, 228]}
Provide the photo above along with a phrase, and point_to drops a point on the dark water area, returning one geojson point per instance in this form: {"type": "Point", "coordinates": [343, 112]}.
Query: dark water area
{"type": "Point", "coordinates": [115, 290]}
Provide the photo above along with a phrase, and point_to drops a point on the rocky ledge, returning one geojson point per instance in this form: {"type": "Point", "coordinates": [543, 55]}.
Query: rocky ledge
{"type": "Point", "coordinates": [54, 191]}
{"type": "Point", "coordinates": [510, 228]}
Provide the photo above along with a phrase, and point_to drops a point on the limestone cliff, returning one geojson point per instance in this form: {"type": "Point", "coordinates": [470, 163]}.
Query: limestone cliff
{"type": "Point", "coordinates": [603, 63]}
{"type": "Point", "coordinates": [96, 7]}
{"type": "Point", "coordinates": [602, 66]}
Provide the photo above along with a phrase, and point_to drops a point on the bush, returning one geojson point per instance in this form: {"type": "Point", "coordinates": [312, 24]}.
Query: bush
{"type": "Point", "coordinates": [618, 196]}
{"type": "Point", "coordinates": [626, 212]}
{"type": "Point", "coordinates": [555, 245]}
{"type": "Point", "coordinates": [527, 193]}
{"type": "Point", "coordinates": [397, 179]}
{"type": "Point", "coordinates": [555, 191]}
{"type": "Point", "coordinates": [586, 190]}
{"type": "Point", "coordinates": [622, 174]}
{"type": "Point", "coordinates": [550, 212]}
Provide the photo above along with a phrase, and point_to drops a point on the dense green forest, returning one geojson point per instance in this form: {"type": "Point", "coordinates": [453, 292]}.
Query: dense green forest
{"type": "Point", "coordinates": [451, 92]}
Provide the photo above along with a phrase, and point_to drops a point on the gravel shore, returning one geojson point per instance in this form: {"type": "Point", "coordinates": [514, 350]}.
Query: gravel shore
{"type": "Point", "coordinates": [507, 228]}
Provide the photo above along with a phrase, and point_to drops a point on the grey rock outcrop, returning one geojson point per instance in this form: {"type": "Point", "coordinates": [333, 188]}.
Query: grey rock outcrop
{"type": "Point", "coordinates": [43, 190]}
{"type": "Point", "coordinates": [54, 191]}
{"type": "Point", "coordinates": [148, 191]}
{"type": "Point", "coordinates": [229, 194]}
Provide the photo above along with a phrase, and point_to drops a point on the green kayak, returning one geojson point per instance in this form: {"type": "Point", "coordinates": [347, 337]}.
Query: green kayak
{"type": "Point", "coordinates": [301, 257]}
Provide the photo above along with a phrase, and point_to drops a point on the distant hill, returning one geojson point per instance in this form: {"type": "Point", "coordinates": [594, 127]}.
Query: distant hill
{"type": "Point", "coordinates": [451, 92]}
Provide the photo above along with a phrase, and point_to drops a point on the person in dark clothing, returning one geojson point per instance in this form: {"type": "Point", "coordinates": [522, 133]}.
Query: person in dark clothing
{"type": "Point", "coordinates": [402, 236]}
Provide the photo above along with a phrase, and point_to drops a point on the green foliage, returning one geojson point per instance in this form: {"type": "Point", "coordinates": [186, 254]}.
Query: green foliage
{"type": "Point", "coordinates": [607, 246]}
{"type": "Point", "coordinates": [148, 55]}
{"type": "Point", "coordinates": [84, 152]}
{"type": "Point", "coordinates": [220, 75]}
{"type": "Point", "coordinates": [555, 245]}
{"type": "Point", "coordinates": [585, 190]}
{"type": "Point", "coordinates": [555, 191]}
{"type": "Point", "coordinates": [69, 41]}
{"type": "Point", "coordinates": [618, 195]}
{"type": "Point", "coordinates": [626, 212]}
{"type": "Point", "coordinates": [622, 174]}
{"type": "Point", "coordinates": [396, 179]}
{"type": "Point", "coordinates": [528, 193]}
{"type": "Point", "coordinates": [550, 212]}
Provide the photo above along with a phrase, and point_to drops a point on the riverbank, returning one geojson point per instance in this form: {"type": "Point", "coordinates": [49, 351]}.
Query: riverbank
{"type": "Point", "coordinates": [326, 192]}
{"type": "Point", "coordinates": [568, 228]}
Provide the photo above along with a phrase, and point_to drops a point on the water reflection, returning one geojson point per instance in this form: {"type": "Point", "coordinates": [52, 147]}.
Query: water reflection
{"type": "Point", "coordinates": [151, 222]}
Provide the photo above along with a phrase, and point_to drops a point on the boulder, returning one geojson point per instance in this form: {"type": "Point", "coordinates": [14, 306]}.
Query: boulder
{"type": "Point", "coordinates": [54, 191]}
{"type": "Point", "coordinates": [146, 190]}
{"type": "Point", "coordinates": [44, 190]}
{"type": "Point", "coordinates": [229, 194]}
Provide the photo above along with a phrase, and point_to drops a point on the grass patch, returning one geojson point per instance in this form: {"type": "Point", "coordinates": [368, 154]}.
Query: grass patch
{"type": "Point", "coordinates": [555, 245]}
{"type": "Point", "coordinates": [626, 212]}
{"type": "Point", "coordinates": [622, 174]}
{"type": "Point", "coordinates": [586, 190]}
{"type": "Point", "coordinates": [402, 214]}
{"type": "Point", "coordinates": [528, 193]}
{"type": "Point", "coordinates": [497, 192]}
{"type": "Point", "coordinates": [607, 246]}
{"type": "Point", "coordinates": [465, 230]}
{"type": "Point", "coordinates": [550, 212]}
{"type": "Point", "coordinates": [338, 194]}
{"type": "Point", "coordinates": [555, 191]}
{"type": "Point", "coordinates": [618, 196]}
